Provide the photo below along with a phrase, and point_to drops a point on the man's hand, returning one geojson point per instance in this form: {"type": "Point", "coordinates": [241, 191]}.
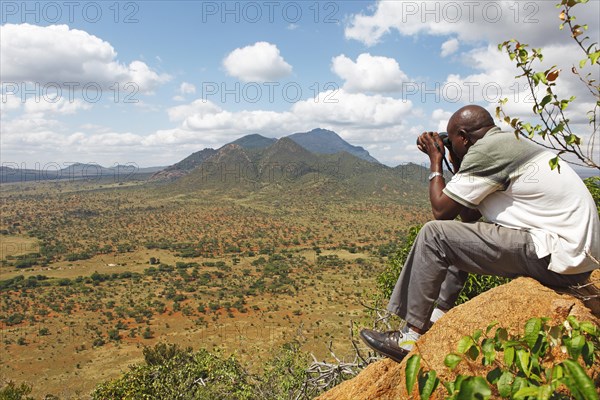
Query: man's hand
{"type": "Point", "coordinates": [431, 144]}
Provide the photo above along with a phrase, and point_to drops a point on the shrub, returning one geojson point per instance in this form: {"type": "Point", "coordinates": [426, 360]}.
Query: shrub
{"type": "Point", "coordinates": [170, 372]}
{"type": "Point", "coordinates": [593, 185]}
{"type": "Point", "coordinates": [521, 366]}
{"type": "Point", "coordinates": [13, 392]}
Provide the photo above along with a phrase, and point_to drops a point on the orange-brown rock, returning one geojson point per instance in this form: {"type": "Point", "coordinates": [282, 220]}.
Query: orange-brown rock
{"type": "Point", "coordinates": [511, 305]}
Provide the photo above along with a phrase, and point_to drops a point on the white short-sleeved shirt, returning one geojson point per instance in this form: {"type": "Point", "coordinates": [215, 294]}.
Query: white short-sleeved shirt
{"type": "Point", "coordinates": [510, 182]}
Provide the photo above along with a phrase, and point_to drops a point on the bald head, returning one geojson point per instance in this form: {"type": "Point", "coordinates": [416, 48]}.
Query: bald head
{"type": "Point", "coordinates": [472, 119]}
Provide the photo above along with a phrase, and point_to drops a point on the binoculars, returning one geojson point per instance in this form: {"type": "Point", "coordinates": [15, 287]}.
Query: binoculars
{"type": "Point", "coordinates": [447, 144]}
{"type": "Point", "coordinates": [445, 139]}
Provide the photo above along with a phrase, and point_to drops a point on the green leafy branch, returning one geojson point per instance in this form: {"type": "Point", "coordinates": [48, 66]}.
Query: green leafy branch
{"type": "Point", "coordinates": [525, 367]}
{"type": "Point", "coordinates": [554, 129]}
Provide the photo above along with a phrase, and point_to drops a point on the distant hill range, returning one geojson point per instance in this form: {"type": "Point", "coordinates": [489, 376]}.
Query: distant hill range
{"type": "Point", "coordinates": [314, 163]}
{"type": "Point", "coordinates": [317, 141]}
{"type": "Point", "coordinates": [12, 172]}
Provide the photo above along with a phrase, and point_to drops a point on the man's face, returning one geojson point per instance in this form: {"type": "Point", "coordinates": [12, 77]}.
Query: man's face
{"type": "Point", "coordinates": [459, 142]}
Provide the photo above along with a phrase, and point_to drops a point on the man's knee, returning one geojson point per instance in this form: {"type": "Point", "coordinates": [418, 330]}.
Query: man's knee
{"type": "Point", "coordinates": [436, 237]}
{"type": "Point", "coordinates": [431, 236]}
{"type": "Point", "coordinates": [435, 229]}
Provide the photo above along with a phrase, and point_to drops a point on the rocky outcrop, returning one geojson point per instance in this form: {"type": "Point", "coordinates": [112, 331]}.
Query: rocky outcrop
{"type": "Point", "coordinates": [511, 305]}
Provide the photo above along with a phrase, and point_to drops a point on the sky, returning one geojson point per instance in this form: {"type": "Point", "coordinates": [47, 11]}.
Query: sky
{"type": "Point", "coordinates": [147, 83]}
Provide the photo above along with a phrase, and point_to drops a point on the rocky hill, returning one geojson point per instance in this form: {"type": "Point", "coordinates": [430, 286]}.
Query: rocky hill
{"type": "Point", "coordinates": [511, 305]}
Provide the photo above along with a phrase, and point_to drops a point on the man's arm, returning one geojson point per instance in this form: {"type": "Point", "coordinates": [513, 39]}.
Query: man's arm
{"type": "Point", "coordinates": [442, 206]}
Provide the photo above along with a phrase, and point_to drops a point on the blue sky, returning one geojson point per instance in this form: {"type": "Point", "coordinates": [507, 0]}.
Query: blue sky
{"type": "Point", "coordinates": [149, 82]}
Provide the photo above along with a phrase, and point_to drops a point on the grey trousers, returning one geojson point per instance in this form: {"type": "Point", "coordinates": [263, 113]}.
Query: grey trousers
{"type": "Point", "coordinates": [445, 252]}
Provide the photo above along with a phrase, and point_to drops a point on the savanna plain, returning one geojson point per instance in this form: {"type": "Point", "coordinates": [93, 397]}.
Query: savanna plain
{"type": "Point", "coordinates": [94, 270]}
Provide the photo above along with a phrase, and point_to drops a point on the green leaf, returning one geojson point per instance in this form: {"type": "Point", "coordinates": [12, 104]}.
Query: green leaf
{"type": "Point", "coordinates": [494, 375]}
{"type": "Point", "coordinates": [588, 327]}
{"type": "Point", "coordinates": [501, 335]}
{"type": "Point", "coordinates": [554, 163]}
{"type": "Point", "coordinates": [527, 126]}
{"type": "Point", "coordinates": [464, 344]}
{"type": "Point", "coordinates": [452, 360]}
{"type": "Point", "coordinates": [474, 388]}
{"type": "Point", "coordinates": [489, 353]}
{"type": "Point", "coordinates": [427, 384]}
{"type": "Point", "coordinates": [579, 382]}
{"type": "Point", "coordinates": [540, 347]}
{"type": "Point", "coordinates": [547, 99]}
{"type": "Point", "coordinates": [594, 57]}
{"type": "Point", "coordinates": [544, 392]}
{"type": "Point", "coordinates": [450, 387]}
{"type": "Point", "coordinates": [509, 356]}
{"type": "Point", "coordinates": [528, 391]}
{"type": "Point", "coordinates": [588, 353]}
{"type": "Point", "coordinates": [539, 77]}
{"type": "Point", "coordinates": [518, 384]}
{"type": "Point", "coordinates": [572, 139]}
{"type": "Point", "coordinates": [532, 331]}
{"type": "Point", "coordinates": [490, 326]}
{"type": "Point", "coordinates": [473, 352]}
{"type": "Point", "coordinates": [412, 369]}
{"type": "Point", "coordinates": [505, 384]}
{"type": "Point", "coordinates": [573, 322]}
{"type": "Point", "coordinates": [575, 346]}
{"type": "Point", "coordinates": [477, 333]}
{"type": "Point", "coordinates": [582, 63]}
{"type": "Point", "coordinates": [557, 372]}
{"type": "Point", "coordinates": [523, 361]}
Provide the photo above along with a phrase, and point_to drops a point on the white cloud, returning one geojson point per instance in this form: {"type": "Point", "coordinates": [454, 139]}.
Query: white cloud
{"type": "Point", "coordinates": [449, 47]}
{"type": "Point", "coordinates": [184, 89]}
{"type": "Point", "coordinates": [342, 108]}
{"type": "Point", "coordinates": [197, 107]}
{"type": "Point", "coordinates": [369, 73]}
{"type": "Point", "coordinates": [260, 62]}
{"type": "Point", "coordinates": [41, 101]}
{"type": "Point", "coordinates": [56, 53]}
{"type": "Point", "coordinates": [441, 117]}
{"type": "Point", "coordinates": [496, 21]}
{"type": "Point", "coordinates": [61, 106]}
{"type": "Point", "coordinates": [187, 88]}
{"type": "Point", "coordinates": [350, 113]}
{"type": "Point", "coordinates": [495, 78]}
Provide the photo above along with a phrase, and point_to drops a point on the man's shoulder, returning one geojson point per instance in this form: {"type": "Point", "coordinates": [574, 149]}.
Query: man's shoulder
{"type": "Point", "coordinates": [501, 149]}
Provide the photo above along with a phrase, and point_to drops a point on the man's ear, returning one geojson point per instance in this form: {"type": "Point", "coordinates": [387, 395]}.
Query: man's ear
{"type": "Point", "coordinates": [463, 134]}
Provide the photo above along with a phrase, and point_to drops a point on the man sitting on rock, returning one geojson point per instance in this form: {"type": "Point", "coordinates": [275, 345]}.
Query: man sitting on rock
{"type": "Point", "coordinates": [542, 223]}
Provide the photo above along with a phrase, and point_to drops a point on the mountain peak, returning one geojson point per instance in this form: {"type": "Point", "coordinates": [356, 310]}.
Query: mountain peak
{"type": "Point", "coordinates": [323, 141]}
{"type": "Point", "coordinates": [288, 147]}
{"type": "Point", "coordinates": [254, 141]}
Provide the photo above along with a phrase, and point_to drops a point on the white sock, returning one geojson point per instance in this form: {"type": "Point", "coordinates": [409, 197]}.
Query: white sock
{"type": "Point", "coordinates": [408, 339]}
{"type": "Point", "coordinates": [436, 314]}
